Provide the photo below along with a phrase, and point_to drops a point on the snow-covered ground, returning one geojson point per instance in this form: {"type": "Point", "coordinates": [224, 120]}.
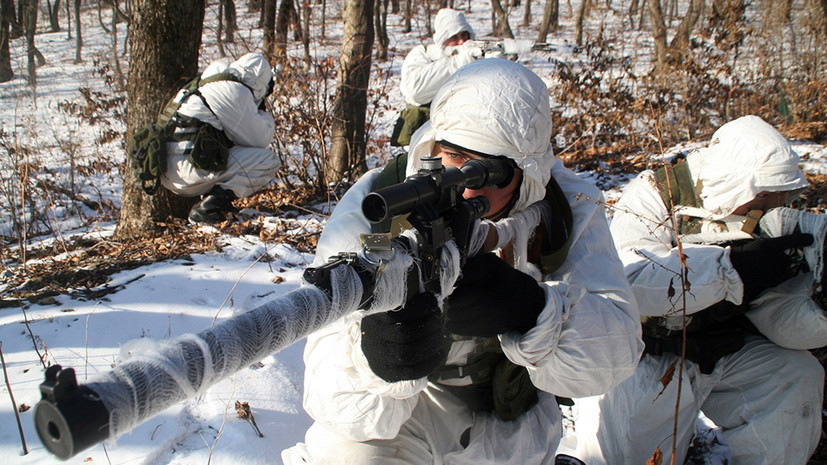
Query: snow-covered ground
{"type": "Point", "coordinates": [170, 298]}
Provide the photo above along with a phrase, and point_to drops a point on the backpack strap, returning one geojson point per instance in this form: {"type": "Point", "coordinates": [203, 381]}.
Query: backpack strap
{"type": "Point", "coordinates": [676, 187]}
{"type": "Point", "coordinates": [192, 88]}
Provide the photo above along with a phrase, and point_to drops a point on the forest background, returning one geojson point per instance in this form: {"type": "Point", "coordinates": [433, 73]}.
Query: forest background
{"type": "Point", "coordinates": [629, 81]}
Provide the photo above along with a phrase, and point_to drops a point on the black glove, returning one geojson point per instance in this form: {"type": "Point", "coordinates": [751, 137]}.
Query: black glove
{"type": "Point", "coordinates": [764, 263]}
{"type": "Point", "coordinates": [493, 298]}
{"type": "Point", "coordinates": [406, 344]}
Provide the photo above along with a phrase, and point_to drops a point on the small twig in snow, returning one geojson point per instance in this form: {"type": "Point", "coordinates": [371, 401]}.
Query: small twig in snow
{"type": "Point", "coordinates": [13, 403]}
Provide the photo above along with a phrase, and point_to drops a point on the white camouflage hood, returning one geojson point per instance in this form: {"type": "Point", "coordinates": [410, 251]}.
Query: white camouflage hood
{"type": "Point", "coordinates": [745, 157]}
{"type": "Point", "coordinates": [450, 22]}
{"type": "Point", "coordinates": [495, 107]}
{"type": "Point", "coordinates": [253, 69]}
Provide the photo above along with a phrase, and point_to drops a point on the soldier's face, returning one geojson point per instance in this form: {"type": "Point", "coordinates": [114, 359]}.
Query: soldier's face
{"type": "Point", "coordinates": [499, 198]}
{"type": "Point", "coordinates": [763, 201]}
{"type": "Point", "coordinates": [457, 39]}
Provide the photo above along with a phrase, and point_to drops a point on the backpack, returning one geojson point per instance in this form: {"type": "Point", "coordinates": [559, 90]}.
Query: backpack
{"type": "Point", "coordinates": [210, 148]}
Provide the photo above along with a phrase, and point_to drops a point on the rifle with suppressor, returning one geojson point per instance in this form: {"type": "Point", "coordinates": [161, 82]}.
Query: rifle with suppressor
{"type": "Point", "coordinates": [511, 48]}
{"type": "Point", "coordinates": [71, 417]}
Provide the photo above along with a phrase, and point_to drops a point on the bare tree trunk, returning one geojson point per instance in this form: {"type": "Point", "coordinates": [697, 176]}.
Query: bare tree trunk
{"type": "Point", "coordinates": [551, 18]}
{"type": "Point", "coordinates": [68, 20]}
{"type": "Point", "coordinates": [156, 70]}
{"type": "Point", "coordinates": [501, 26]}
{"type": "Point", "coordinates": [16, 20]}
{"type": "Point", "coordinates": [406, 18]}
{"type": "Point", "coordinates": [380, 13]}
{"type": "Point", "coordinates": [115, 61]}
{"type": "Point", "coordinates": [283, 21]}
{"type": "Point", "coordinates": [323, 20]}
{"type": "Point", "coordinates": [824, 12]}
{"type": "Point", "coordinates": [78, 36]}
{"type": "Point", "coordinates": [268, 25]}
{"type": "Point", "coordinates": [659, 33]}
{"type": "Point", "coordinates": [230, 21]}
{"type": "Point", "coordinates": [633, 7]}
{"type": "Point", "coordinates": [219, 33]}
{"type": "Point", "coordinates": [307, 13]}
{"type": "Point", "coordinates": [527, 14]}
{"type": "Point", "coordinates": [347, 151]}
{"type": "Point", "coordinates": [680, 43]}
{"type": "Point", "coordinates": [54, 23]}
{"type": "Point", "coordinates": [34, 57]}
{"type": "Point", "coordinates": [6, 10]}
{"type": "Point", "coordinates": [582, 12]}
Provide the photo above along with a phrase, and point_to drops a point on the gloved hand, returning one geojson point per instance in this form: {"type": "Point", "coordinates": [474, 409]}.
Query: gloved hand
{"type": "Point", "coordinates": [492, 298]}
{"type": "Point", "coordinates": [469, 52]}
{"type": "Point", "coordinates": [764, 263]}
{"type": "Point", "coordinates": [408, 343]}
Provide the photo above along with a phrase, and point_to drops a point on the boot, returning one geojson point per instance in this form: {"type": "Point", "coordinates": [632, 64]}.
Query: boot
{"type": "Point", "coordinates": [213, 207]}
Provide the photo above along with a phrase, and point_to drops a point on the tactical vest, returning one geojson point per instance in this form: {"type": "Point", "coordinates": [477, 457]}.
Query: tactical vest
{"type": "Point", "coordinates": [713, 332]}
{"type": "Point", "coordinates": [496, 384]}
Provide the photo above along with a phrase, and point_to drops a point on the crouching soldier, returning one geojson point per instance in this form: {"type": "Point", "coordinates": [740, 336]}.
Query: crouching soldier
{"type": "Point", "coordinates": [749, 303]}
{"type": "Point", "coordinates": [219, 147]}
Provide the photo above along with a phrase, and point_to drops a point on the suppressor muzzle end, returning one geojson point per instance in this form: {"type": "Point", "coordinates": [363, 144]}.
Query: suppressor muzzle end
{"type": "Point", "coordinates": [69, 418]}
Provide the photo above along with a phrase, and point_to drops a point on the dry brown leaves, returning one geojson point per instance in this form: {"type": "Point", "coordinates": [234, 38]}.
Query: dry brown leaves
{"type": "Point", "coordinates": [82, 267]}
{"type": "Point", "coordinates": [89, 263]}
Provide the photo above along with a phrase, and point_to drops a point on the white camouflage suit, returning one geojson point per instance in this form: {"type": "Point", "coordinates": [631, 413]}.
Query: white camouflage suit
{"type": "Point", "coordinates": [251, 164]}
{"type": "Point", "coordinates": [426, 68]}
{"type": "Point", "coordinates": [767, 396]}
{"type": "Point", "coordinates": [585, 341]}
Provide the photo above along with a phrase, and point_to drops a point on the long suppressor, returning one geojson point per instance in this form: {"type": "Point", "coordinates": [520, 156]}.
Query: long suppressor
{"type": "Point", "coordinates": [70, 417]}
{"type": "Point", "coordinates": [429, 187]}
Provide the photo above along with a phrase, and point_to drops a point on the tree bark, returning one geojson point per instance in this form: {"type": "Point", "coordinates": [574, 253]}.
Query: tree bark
{"type": "Point", "coordinates": [578, 25]}
{"type": "Point", "coordinates": [54, 23]}
{"type": "Point", "coordinates": [6, 11]}
{"type": "Point", "coordinates": [380, 10]}
{"type": "Point", "coordinates": [501, 26]}
{"type": "Point", "coordinates": [551, 18]}
{"type": "Point", "coordinates": [230, 21]}
{"type": "Point", "coordinates": [680, 43]}
{"type": "Point", "coordinates": [33, 55]}
{"type": "Point", "coordinates": [347, 151]}
{"type": "Point", "coordinates": [283, 20]}
{"type": "Point", "coordinates": [268, 26]}
{"type": "Point", "coordinates": [78, 36]}
{"type": "Point", "coordinates": [824, 11]}
{"type": "Point", "coordinates": [658, 32]}
{"type": "Point", "coordinates": [633, 7]}
{"type": "Point", "coordinates": [527, 14]}
{"type": "Point", "coordinates": [406, 25]}
{"type": "Point", "coordinates": [164, 39]}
